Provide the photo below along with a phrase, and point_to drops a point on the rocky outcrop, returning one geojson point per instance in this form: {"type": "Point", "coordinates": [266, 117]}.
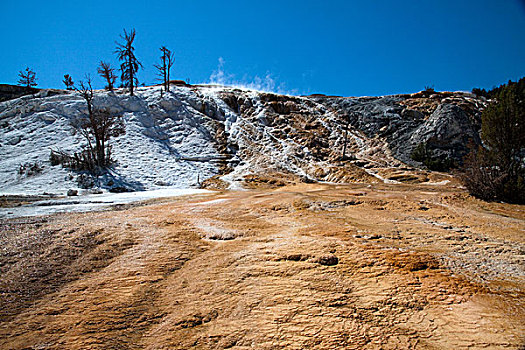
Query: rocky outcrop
{"type": "Point", "coordinates": [9, 92]}
{"type": "Point", "coordinates": [381, 131]}
{"type": "Point", "coordinates": [196, 132]}
{"type": "Point", "coordinates": [446, 122]}
{"type": "Point", "coordinates": [447, 132]}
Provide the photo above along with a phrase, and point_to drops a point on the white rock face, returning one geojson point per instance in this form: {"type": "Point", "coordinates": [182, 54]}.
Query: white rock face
{"type": "Point", "coordinates": [158, 136]}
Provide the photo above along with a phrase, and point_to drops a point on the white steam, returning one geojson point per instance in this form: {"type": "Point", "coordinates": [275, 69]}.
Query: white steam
{"type": "Point", "coordinates": [266, 84]}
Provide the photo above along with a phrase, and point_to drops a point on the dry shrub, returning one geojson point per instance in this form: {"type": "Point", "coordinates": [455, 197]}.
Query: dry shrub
{"type": "Point", "coordinates": [485, 178]}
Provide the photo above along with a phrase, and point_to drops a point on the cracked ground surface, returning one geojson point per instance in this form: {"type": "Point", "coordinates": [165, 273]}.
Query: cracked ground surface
{"type": "Point", "coordinates": [309, 266]}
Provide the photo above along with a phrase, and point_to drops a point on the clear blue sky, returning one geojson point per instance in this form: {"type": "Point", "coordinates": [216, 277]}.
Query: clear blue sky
{"type": "Point", "coordinates": [334, 47]}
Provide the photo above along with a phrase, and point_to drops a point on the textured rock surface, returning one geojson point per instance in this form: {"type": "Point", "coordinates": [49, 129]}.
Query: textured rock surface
{"type": "Point", "coordinates": [9, 92]}
{"type": "Point", "coordinates": [310, 266]}
{"type": "Point", "coordinates": [448, 130]}
{"type": "Point", "coordinates": [196, 132]}
{"type": "Point", "coordinates": [446, 121]}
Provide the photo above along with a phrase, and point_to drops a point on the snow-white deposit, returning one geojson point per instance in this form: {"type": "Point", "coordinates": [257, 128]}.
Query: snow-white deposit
{"type": "Point", "coordinates": [92, 202]}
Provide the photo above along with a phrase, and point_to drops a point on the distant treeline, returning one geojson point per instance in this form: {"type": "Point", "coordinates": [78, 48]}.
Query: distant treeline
{"type": "Point", "coordinates": [495, 91]}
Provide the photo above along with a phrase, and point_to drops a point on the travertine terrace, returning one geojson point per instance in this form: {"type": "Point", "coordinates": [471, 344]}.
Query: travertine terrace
{"type": "Point", "coordinates": [363, 266]}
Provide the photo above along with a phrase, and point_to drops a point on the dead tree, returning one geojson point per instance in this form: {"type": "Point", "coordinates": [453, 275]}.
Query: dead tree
{"type": "Point", "coordinates": [68, 82]}
{"type": "Point", "coordinates": [130, 65]}
{"type": "Point", "coordinates": [86, 91]}
{"type": "Point", "coordinates": [97, 128]}
{"type": "Point", "coordinates": [108, 73]}
{"type": "Point", "coordinates": [27, 78]}
{"type": "Point", "coordinates": [345, 142]}
{"type": "Point", "coordinates": [343, 157]}
{"type": "Point", "coordinates": [166, 62]}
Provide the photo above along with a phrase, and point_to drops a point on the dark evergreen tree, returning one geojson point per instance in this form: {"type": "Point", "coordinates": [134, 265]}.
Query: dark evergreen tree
{"type": "Point", "coordinates": [130, 65]}
{"type": "Point", "coordinates": [503, 124]}
{"type": "Point", "coordinates": [496, 170]}
{"type": "Point", "coordinates": [27, 78]}
{"type": "Point", "coordinates": [68, 82]}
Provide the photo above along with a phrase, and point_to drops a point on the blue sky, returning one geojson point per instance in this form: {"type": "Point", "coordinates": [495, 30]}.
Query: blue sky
{"type": "Point", "coordinates": [347, 48]}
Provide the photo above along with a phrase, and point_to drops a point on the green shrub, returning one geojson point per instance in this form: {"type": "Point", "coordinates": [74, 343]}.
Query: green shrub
{"type": "Point", "coordinates": [496, 171]}
{"type": "Point", "coordinates": [423, 154]}
{"type": "Point", "coordinates": [420, 153]}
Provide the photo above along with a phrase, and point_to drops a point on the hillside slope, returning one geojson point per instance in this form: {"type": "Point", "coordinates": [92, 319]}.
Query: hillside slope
{"type": "Point", "coordinates": [196, 132]}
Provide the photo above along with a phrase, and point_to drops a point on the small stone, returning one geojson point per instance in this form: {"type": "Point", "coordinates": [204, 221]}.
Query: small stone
{"type": "Point", "coordinates": [374, 236]}
{"type": "Point", "coordinates": [119, 189]}
{"type": "Point", "coordinates": [72, 193]}
{"type": "Point", "coordinates": [14, 140]}
{"type": "Point", "coordinates": [328, 260]}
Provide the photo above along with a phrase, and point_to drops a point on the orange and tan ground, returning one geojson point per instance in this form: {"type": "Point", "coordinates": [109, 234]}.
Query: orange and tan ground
{"type": "Point", "coordinates": [301, 267]}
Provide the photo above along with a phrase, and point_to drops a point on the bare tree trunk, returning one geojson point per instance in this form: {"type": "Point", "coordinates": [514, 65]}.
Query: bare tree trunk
{"type": "Point", "coordinates": [131, 81]}
{"type": "Point", "coordinates": [168, 79]}
{"type": "Point", "coordinates": [165, 73]}
{"type": "Point", "coordinates": [346, 139]}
